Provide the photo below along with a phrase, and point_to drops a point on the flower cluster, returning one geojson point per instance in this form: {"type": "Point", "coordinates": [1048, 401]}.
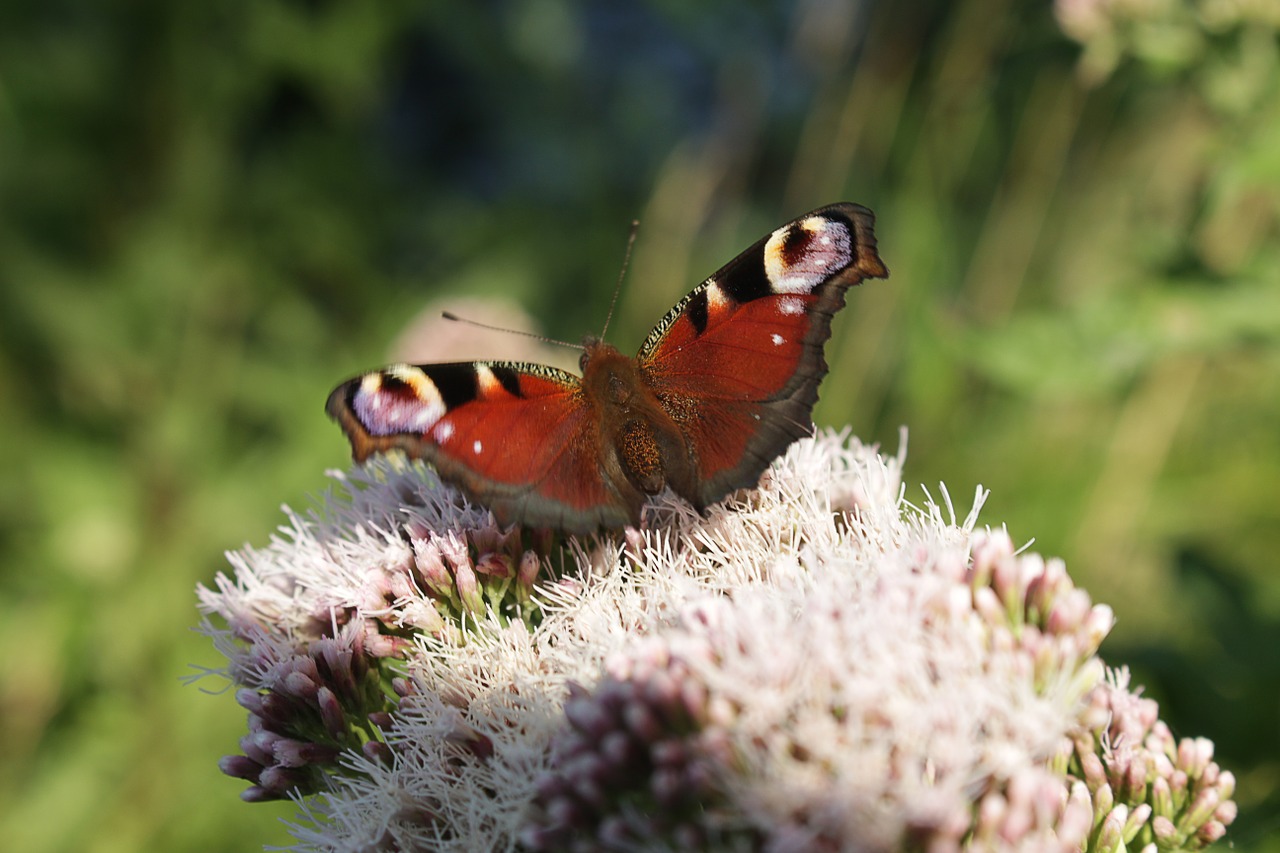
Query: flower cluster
{"type": "Point", "coordinates": [307, 706]}
{"type": "Point", "coordinates": [815, 665]}
{"type": "Point", "coordinates": [812, 717]}
{"type": "Point", "coordinates": [311, 620]}
{"type": "Point", "coordinates": [456, 576]}
{"type": "Point", "coordinates": [639, 761]}
{"type": "Point", "coordinates": [1143, 783]}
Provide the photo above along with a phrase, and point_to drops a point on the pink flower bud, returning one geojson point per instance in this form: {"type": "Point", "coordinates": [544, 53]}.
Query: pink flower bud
{"type": "Point", "coordinates": [376, 750]}
{"type": "Point", "coordinates": [527, 573]}
{"type": "Point", "coordinates": [1069, 612]}
{"type": "Point", "coordinates": [1112, 834]}
{"type": "Point", "coordinates": [250, 700]}
{"type": "Point", "coordinates": [1212, 831]}
{"type": "Point", "coordinates": [1202, 808]}
{"type": "Point", "coordinates": [1162, 797]}
{"type": "Point", "coordinates": [1187, 758]}
{"type": "Point", "coordinates": [641, 721]}
{"type": "Point", "coordinates": [1095, 774]}
{"type": "Point", "coordinates": [258, 794]}
{"type": "Point", "coordinates": [300, 753]}
{"type": "Point", "coordinates": [494, 565]}
{"type": "Point", "coordinates": [1166, 833]}
{"type": "Point", "coordinates": [300, 685]}
{"type": "Point", "coordinates": [1006, 580]}
{"type": "Point", "coordinates": [1137, 819]}
{"type": "Point", "coordinates": [381, 645]}
{"type": "Point", "coordinates": [1135, 779]}
{"type": "Point", "coordinates": [240, 767]}
{"type": "Point", "coordinates": [335, 721]}
{"type": "Point", "coordinates": [633, 544]}
{"type": "Point", "coordinates": [988, 606]}
{"type": "Point", "coordinates": [430, 565]}
{"type": "Point", "coordinates": [469, 591]}
{"type": "Point", "coordinates": [1098, 625]}
{"type": "Point", "coordinates": [1226, 783]}
{"type": "Point", "coordinates": [1077, 818]}
{"type": "Point", "coordinates": [258, 746]}
{"type": "Point", "coordinates": [400, 586]}
{"type": "Point", "coordinates": [281, 780]}
{"type": "Point", "coordinates": [1103, 800]}
{"type": "Point", "coordinates": [454, 549]}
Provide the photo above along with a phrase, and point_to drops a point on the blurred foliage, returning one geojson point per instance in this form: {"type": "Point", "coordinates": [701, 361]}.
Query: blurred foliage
{"type": "Point", "coordinates": [210, 213]}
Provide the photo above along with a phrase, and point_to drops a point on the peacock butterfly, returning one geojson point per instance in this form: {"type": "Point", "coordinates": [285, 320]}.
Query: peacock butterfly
{"type": "Point", "coordinates": [721, 386]}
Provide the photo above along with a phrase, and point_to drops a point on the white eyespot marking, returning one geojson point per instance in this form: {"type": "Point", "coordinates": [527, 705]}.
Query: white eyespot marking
{"type": "Point", "coordinates": [443, 432]}
{"type": "Point", "coordinates": [402, 399]}
{"type": "Point", "coordinates": [717, 299]}
{"type": "Point", "coordinates": [486, 382]}
{"type": "Point", "coordinates": [477, 448]}
{"type": "Point", "coordinates": [778, 340]}
{"type": "Point", "coordinates": [369, 387]}
{"type": "Point", "coordinates": [800, 256]}
{"type": "Point", "coordinates": [791, 306]}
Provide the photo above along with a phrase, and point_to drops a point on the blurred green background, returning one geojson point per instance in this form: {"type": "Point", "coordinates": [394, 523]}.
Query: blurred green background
{"type": "Point", "coordinates": [212, 212]}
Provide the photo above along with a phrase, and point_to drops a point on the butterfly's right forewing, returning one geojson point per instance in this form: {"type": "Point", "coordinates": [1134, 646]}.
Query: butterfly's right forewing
{"type": "Point", "coordinates": [738, 361]}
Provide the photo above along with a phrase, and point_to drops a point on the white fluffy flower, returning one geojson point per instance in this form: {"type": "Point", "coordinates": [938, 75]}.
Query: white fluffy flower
{"type": "Point", "coordinates": [814, 665]}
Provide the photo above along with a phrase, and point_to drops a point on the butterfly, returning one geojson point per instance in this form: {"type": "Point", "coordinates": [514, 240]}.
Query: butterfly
{"type": "Point", "coordinates": [720, 388]}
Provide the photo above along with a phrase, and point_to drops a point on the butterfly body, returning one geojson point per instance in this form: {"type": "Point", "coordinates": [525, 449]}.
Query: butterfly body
{"type": "Point", "coordinates": [643, 450]}
{"type": "Point", "coordinates": [721, 386]}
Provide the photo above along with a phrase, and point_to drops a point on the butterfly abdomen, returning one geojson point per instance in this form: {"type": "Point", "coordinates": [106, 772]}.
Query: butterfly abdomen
{"type": "Point", "coordinates": [642, 450]}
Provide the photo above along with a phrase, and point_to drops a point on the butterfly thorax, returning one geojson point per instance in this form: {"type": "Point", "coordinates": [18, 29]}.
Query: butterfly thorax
{"type": "Point", "coordinates": [642, 450]}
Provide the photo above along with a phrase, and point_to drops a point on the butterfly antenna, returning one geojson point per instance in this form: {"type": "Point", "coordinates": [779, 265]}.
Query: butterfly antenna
{"type": "Point", "coordinates": [449, 315]}
{"type": "Point", "coordinates": [626, 260]}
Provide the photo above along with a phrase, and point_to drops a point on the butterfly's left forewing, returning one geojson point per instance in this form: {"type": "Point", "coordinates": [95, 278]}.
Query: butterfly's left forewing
{"type": "Point", "coordinates": [514, 437]}
{"type": "Point", "coordinates": [738, 361]}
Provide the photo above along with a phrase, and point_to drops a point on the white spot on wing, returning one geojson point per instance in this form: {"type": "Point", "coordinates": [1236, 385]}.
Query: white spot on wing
{"type": "Point", "coordinates": [486, 381]}
{"type": "Point", "coordinates": [778, 340]}
{"type": "Point", "coordinates": [716, 298]}
{"type": "Point", "coordinates": [791, 306]}
{"type": "Point", "coordinates": [369, 387]}
{"type": "Point", "coordinates": [443, 432]}
{"type": "Point", "coordinates": [477, 447]}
